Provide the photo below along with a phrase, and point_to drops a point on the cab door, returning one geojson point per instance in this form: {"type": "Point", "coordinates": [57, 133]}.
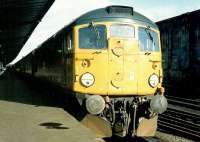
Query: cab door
{"type": "Point", "coordinates": [122, 62]}
{"type": "Point", "coordinates": [115, 66]}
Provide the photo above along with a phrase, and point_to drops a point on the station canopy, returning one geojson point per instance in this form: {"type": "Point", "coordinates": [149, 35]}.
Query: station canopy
{"type": "Point", "coordinates": [18, 19]}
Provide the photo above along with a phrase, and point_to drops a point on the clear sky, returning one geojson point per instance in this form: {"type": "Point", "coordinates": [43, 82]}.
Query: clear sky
{"type": "Point", "coordinates": [63, 12]}
{"type": "Point", "coordinates": [158, 10]}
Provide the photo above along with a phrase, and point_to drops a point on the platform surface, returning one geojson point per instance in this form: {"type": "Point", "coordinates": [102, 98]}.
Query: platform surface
{"type": "Point", "coordinates": [27, 116]}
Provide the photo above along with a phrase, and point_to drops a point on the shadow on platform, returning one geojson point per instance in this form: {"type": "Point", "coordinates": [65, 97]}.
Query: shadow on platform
{"type": "Point", "coordinates": [23, 88]}
{"type": "Point", "coordinates": [28, 90]}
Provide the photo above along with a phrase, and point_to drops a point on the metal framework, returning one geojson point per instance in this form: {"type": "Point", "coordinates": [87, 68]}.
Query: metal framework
{"type": "Point", "coordinates": [18, 19]}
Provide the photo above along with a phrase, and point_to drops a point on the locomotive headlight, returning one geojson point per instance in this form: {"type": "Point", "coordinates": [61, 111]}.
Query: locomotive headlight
{"type": "Point", "coordinates": [87, 79]}
{"type": "Point", "coordinates": [95, 104]}
{"type": "Point", "coordinates": [153, 80]}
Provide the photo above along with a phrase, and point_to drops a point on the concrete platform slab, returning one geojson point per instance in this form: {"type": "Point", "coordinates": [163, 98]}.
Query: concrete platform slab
{"type": "Point", "coordinates": [28, 123]}
{"type": "Point", "coordinates": [26, 116]}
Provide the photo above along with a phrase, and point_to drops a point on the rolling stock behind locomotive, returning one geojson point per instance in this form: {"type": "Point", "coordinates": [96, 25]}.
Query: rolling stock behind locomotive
{"type": "Point", "coordinates": [110, 59]}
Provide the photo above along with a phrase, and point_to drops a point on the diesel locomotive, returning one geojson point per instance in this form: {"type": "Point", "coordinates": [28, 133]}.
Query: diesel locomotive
{"type": "Point", "coordinates": [110, 59]}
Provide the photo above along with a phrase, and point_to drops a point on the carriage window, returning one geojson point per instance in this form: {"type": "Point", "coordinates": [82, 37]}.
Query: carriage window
{"type": "Point", "coordinates": [92, 37]}
{"type": "Point", "coordinates": [148, 40]}
{"type": "Point", "coordinates": [124, 31]}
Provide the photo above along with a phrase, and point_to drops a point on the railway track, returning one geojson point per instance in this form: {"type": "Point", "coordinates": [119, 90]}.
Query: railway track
{"type": "Point", "coordinates": [184, 102]}
{"type": "Point", "coordinates": [182, 118]}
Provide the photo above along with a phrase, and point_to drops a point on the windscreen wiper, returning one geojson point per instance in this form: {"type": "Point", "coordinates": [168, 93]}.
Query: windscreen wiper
{"type": "Point", "coordinates": [150, 37]}
{"type": "Point", "coordinates": [96, 31]}
{"type": "Point", "coordinates": [149, 34]}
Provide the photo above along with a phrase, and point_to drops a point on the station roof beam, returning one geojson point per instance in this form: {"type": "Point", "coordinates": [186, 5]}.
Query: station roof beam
{"type": "Point", "coordinates": [18, 19]}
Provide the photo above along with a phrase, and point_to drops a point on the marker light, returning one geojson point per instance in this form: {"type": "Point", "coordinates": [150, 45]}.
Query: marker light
{"type": "Point", "coordinates": [153, 80]}
{"type": "Point", "coordinates": [87, 79]}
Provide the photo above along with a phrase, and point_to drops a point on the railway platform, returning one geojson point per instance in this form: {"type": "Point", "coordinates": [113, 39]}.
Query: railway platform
{"type": "Point", "coordinates": [28, 116]}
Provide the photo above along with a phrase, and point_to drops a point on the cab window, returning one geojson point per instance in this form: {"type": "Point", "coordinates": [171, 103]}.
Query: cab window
{"type": "Point", "coordinates": [122, 30]}
{"type": "Point", "coordinates": [148, 40]}
{"type": "Point", "coordinates": [93, 37]}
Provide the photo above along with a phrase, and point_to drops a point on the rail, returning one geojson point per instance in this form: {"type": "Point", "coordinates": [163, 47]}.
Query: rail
{"type": "Point", "coordinates": [182, 118]}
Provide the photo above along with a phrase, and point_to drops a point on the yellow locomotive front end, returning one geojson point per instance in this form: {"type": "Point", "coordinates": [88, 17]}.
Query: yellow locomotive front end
{"type": "Point", "coordinates": [118, 73]}
{"type": "Point", "coordinates": [118, 59]}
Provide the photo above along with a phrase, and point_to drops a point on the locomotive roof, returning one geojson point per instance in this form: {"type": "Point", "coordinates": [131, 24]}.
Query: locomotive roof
{"type": "Point", "coordinates": [107, 14]}
{"type": "Point", "coordinates": [115, 13]}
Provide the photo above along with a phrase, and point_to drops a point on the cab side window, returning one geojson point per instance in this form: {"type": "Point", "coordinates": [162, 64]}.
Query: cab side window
{"type": "Point", "coordinates": [67, 44]}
